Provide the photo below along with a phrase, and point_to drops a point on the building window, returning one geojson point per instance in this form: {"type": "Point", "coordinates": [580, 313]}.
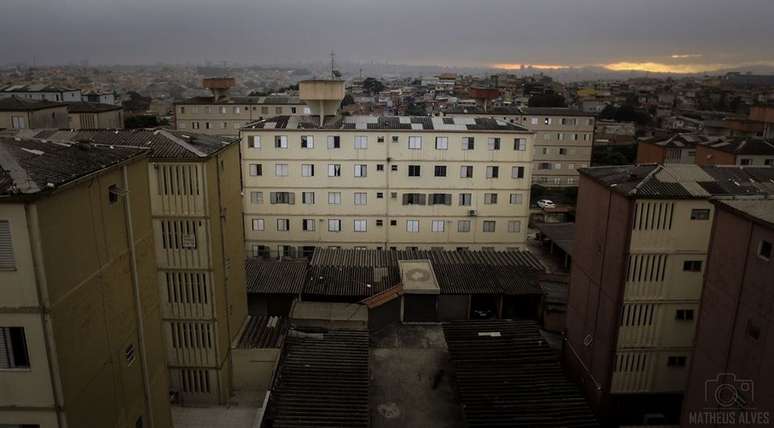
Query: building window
{"type": "Point", "coordinates": [361, 171]}
{"type": "Point", "coordinates": [684, 315]}
{"type": "Point", "coordinates": [764, 248]}
{"type": "Point", "coordinates": [253, 141]}
{"type": "Point", "coordinates": [547, 121]}
{"type": "Point", "coordinates": [676, 361]}
{"type": "Point", "coordinates": [361, 198]}
{"type": "Point", "coordinates": [412, 226]}
{"type": "Point", "coordinates": [394, 168]}
{"type": "Point", "coordinates": [13, 343]}
{"type": "Point", "coordinates": [277, 110]}
{"type": "Point", "coordinates": [281, 142]}
{"type": "Point", "coordinates": [129, 355]}
{"type": "Point", "coordinates": [700, 214]}
{"type": "Point", "coordinates": [466, 171]}
{"type": "Point", "coordinates": [334, 198]}
{"type": "Point", "coordinates": [334, 142]}
{"type": "Point", "coordinates": [438, 225]}
{"type": "Point", "coordinates": [307, 198]}
{"type": "Point", "coordinates": [492, 171]}
{"type": "Point", "coordinates": [361, 142]}
{"type": "Point", "coordinates": [415, 143]}
{"type": "Point", "coordinates": [463, 226]}
{"type": "Point", "coordinates": [334, 170]}
{"type": "Point", "coordinates": [293, 110]}
{"type": "Point", "coordinates": [256, 198]}
{"type": "Point", "coordinates": [307, 142]}
{"type": "Point", "coordinates": [379, 223]}
{"type": "Point", "coordinates": [692, 265]}
{"type": "Point", "coordinates": [466, 199]}
{"type": "Point", "coordinates": [334, 225]}
{"type": "Point", "coordinates": [516, 198]}
{"type": "Point", "coordinates": [380, 167]}
{"type": "Point", "coordinates": [307, 170]}
{"type": "Point", "coordinates": [745, 161]}
{"type": "Point", "coordinates": [517, 172]}
{"type": "Point", "coordinates": [282, 198]}
{"type": "Point", "coordinates": [520, 144]}
{"type": "Point", "coordinates": [489, 225]}
{"type": "Point", "coordinates": [514, 226]}
{"type": "Point", "coordinates": [414, 199]}
{"type": "Point", "coordinates": [395, 139]}
{"type": "Point", "coordinates": [283, 224]}
{"type": "Point", "coordinates": [468, 143]}
{"type": "Point", "coordinates": [493, 143]}
{"type": "Point", "coordinates": [441, 143]}
{"type": "Point", "coordinates": [281, 170]}
{"type": "Point", "coordinates": [256, 169]}
{"type": "Point", "coordinates": [414, 171]}
{"type": "Point", "coordinates": [440, 171]}
{"type": "Point", "coordinates": [380, 139]}
{"type": "Point", "coordinates": [361, 225]}
{"type": "Point", "coordinates": [379, 195]}
{"type": "Point", "coordinates": [440, 198]}
{"type": "Point", "coordinates": [490, 198]}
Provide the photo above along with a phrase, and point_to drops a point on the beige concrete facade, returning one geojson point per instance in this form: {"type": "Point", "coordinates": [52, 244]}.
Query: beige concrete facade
{"type": "Point", "coordinates": [71, 290]}
{"type": "Point", "coordinates": [381, 194]}
{"type": "Point", "coordinates": [563, 142]}
{"type": "Point", "coordinates": [50, 117]}
{"type": "Point", "coordinates": [197, 222]}
{"type": "Point", "coordinates": [662, 290]}
{"type": "Point", "coordinates": [228, 116]}
{"type": "Point", "coordinates": [113, 119]}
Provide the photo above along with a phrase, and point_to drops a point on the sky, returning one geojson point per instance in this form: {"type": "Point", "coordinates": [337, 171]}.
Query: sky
{"type": "Point", "coordinates": [651, 35]}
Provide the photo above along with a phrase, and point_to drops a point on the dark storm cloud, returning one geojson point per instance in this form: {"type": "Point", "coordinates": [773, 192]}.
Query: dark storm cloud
{"type": "Point", "coordinates": [453, 32]}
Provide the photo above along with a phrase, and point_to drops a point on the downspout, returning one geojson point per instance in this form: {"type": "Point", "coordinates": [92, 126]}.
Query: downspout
{"type": "Point", "coordinates": [137, 300]}
{"type": "Point", "coordinates": [31, 212]}
{"type": "Point", "coordinates": [222, 219]}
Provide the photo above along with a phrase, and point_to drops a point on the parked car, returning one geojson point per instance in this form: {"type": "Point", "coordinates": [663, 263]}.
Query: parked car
{"type": "Point", "coordinates": [546, 203]}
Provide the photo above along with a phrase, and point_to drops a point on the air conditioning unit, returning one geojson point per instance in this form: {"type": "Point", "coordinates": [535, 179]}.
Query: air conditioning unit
{"type": "Point", "coordinates": [472, 213]}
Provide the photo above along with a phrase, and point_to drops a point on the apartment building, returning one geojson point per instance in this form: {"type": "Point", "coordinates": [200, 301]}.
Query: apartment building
{"type": "Point", "coordinates": [20, 113]}
{"type": "Point", "coordinates": [730, 375]}
{"type": "Point", "coordinates": [563, 140]}
{"type": "Point", "coordinates": [83, 115]}
{"type": "Point", "coordinates": [384, 182]}
{"type": "Point", "coordinates": [641, 247]}
{"type": "Point", "coordinates": [764, 114]}
{"type": "Point", "coordinates": [41, 92]}
{"type": "Point", "coordinates": [706, 150]}
{"type": "Point", "coordinates": [80, 323]}
{"type": "Point", "coordinates": [196, 208]}
{"type": "Point", "coordinates": [222, 114]}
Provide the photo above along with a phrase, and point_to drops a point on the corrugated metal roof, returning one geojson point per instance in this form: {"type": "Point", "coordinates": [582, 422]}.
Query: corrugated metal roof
{"type": "Point", "coordinates": [263, 331]}
{"type": "Point", "coordinates": [508, 376]}
{"type": "Point", "coordinates": [322, 381]}
{"type": "Point", "coordinates": [274, 277]}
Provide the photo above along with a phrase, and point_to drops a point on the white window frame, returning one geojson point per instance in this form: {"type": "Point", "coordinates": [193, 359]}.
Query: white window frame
{"type": "Point", "coordinates": [309, 141]}
{"type": "Point", "coordinates": [334, 170]}
{"type": "Point", "coordinates": [259, 225]}
{"type": "Point", "coordinates": [281, 169]}
{"type": "Point", "coordinates": [360, 198]}
{"type": "Point", "coordinates": [334, 198]}
{"type": "Point", "coordinates": [412, 226]}
{"type": "Point", "coordinates": [361, 170]}
{"type": "Point", "coordinates": [280, 141]}
{"type": "Point", "coordinates": [441, 143]}
{"type": "Point", "coordinates": [438, 226]}
{"type": "Point", "coordinates": [334, 225]}
{"type": "Point", "coordinates": [360, 225]}
{"type": "Point", "coordinates": [361, 142]}
{"type": "Point", "coordinates": [307, 170]}
{"type": "Point", "coordinates": [415, 142]}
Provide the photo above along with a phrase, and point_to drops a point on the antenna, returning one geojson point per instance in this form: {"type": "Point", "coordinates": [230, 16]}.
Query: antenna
{"type": "Point", "coordinates": [333, 65]}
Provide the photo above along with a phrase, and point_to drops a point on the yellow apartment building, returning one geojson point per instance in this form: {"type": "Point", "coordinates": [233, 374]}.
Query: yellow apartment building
{"type": "Point", "coordinates": [81, 342]}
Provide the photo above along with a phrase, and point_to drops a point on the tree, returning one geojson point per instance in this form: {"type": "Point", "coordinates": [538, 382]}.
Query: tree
{"type": "Point", "coordinates": [141, 121]}
{"type": "Point", "coordinates": [547, 100]}
{"type": "Point", "coordinates": [415, 110]}
{"type": "Point", "coordinates": [347, 100]}
{"type": "Point", "coordinates": [373, 86]}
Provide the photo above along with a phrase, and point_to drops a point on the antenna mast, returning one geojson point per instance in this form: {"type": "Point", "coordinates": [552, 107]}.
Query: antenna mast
{"type": "Point", "coordinates": [333, 67]}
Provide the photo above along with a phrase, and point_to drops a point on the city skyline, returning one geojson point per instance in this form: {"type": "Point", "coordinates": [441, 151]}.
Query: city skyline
{"type": "Point", "coordinates": [654, 36]}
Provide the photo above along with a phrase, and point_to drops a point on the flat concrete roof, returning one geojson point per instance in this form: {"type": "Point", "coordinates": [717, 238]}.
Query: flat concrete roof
{"type": "Point", "coordinates": [418, 277]}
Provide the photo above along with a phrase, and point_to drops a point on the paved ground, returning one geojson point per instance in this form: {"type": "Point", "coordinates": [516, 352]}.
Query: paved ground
{"type": "Point", "coordinates": [552, 262]}
{"type": "Point", "coordinates": [411, 379]}
{"type": "Point", "coordinates": [240, 414]}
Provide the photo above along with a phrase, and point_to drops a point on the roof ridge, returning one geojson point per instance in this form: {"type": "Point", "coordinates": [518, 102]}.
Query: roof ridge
{"type": "Point", "coordinates": [181, 143]}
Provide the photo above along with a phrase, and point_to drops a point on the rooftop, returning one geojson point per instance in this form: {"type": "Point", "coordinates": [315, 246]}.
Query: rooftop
{"type": "Point", "coordinates": [562, 234]}
{"type": "Point", "coordinates": [395, 123]}
{"type": "Point", "coordinates": [735, 145]}
{"type": "Point", "coordinates": [322, 380]}
{"type": "Point", "coordinates": [83, 107]}
{"type": "Point", "coordinates": [249, 100]}
{"type": "Point", "coordinates": [684, 181]}
{"type": "Point", "coordinates": [15, 103]}
{"type": "Point", "coordinates": [263, 331]}
{"type": "Point", "coordinates": [164, 143]}
{"type": "Point", "coordinates": [759, 211]}
{"type": "Point", "coordinates": [37, 87]}
{"type": "Point", "coordinates": [555, 111]}
{"type": "Point", "coordinates": [30, 166]}
{"type": "Point", "coordinates": [507, 375]}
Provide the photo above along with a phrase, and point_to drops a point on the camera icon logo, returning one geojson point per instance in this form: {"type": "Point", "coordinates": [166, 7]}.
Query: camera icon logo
{"type": "Point", "coordinates": [727, 391]}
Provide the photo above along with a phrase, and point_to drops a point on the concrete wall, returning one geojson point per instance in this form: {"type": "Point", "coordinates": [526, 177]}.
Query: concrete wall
{"type": "Point", "coordinates": [650, 153]}
{"type": "Point", "coordinates": [385, 182]}
{"type": "Point", "coordinates": [228, 118]}
{"type": "Point", "coordinates": [108, 119]}
{"type": "Point", "coordinates": [735, 296]}
{"type": "Point", "coordinates": [254, 368]}
{"type": "Point", "coordinates": [89, 293]}
{"type": "Point", "coordinates": [53, 117]}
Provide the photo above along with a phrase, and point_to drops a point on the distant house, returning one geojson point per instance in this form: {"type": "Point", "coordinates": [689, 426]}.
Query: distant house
{"type": "Point", "coordinates": [20, 113]}
{"type": "Point", "coordinates": [736, 151]}
{"type": "Point", "coordinates": [84, 115]}
{"type": "Point", "coordinates": [41, 92]}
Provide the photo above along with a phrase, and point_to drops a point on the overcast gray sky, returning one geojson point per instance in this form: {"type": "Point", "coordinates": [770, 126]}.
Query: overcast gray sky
{"type": "Point", "coordinates": [698, 33]}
